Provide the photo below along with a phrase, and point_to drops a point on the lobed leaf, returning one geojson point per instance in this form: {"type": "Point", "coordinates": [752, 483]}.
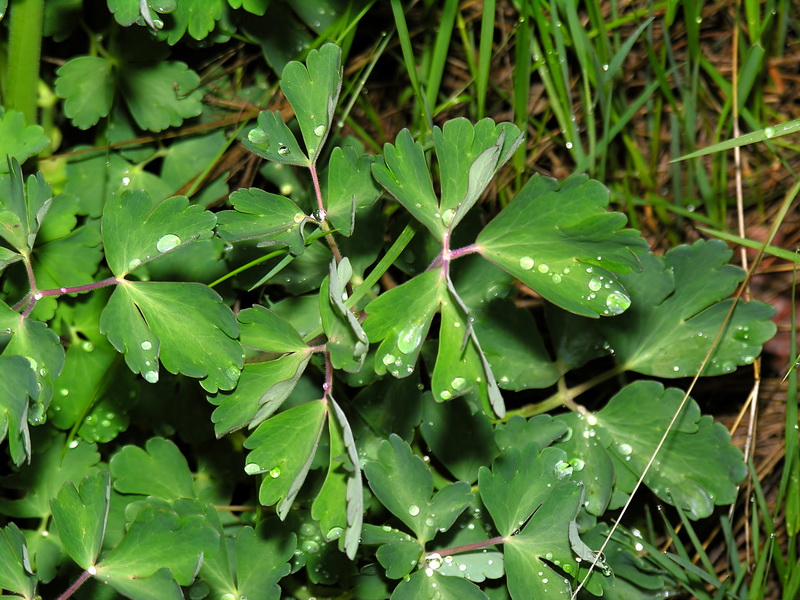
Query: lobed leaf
{"type": "Point", "coordinates": [23, 206]}
{"type": "Point", "coordinates": [86, 83]}
{"type": "Point", "coordinates": [350, 187]}
{"type": "Point", "coordinates": [273, 140]}
{"type": "Point", "coordinates": [421, 585]}
{"type": "Point", "coordinates": [159, 470]}
{"type": "Point", "coordinates": [17, 385]}
{"type": "Point", "coordinates": [16, 574]}
{"type": "Point", "coordinates": [18, 140]}
{"type": "Point", "coordinates": [347, 343]}
{"type": "Point", "coordinates": [197, 17]}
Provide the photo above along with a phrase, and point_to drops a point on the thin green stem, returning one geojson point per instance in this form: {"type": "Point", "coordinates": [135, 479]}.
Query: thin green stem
{"type": "Point", "coordinates": [24, 50]}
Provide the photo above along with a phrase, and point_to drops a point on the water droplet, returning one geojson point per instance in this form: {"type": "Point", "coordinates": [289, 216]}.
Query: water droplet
{"type": "Point", "coordinates": [618, 303]}
{"type": "Point", "coordinates": [556, 278]}
{"type": "Point", "coordinates": [445, 395]}
{"type": "Point", "coordinates": [87, 346]}
{"type": "Point", "coordinates": [151, 376]}
{"type": "Point", "coordinates": [562, 469]}
{"type": "Point", "coordinates": [233, 372]}
{"type": "Point", "coordinates": [388, 359]}
{"type": "Point", "coordinates": [126, 181]}
{"type": "Point", "coordinates": [462, 567]}
{"type": "Point", "coordinates": [252, 468]}
{"type": "Point", "coordinates": [319, 130]}
{"type": "Point", "coordinates": [64, 392]}
{"type": "Point", "coordinates": [73, 444]}
{"type": "Point", "coordinates": [134, 264]}
{"type": "Point", "coordinates": [37, 296]}
{"type": "Point", "coordinates": [168, 242]}
{"type": "Point", "coordinates": [577, 464]}
{"type": "Point", "coordinates": [568, 145]}
{"type": "Point", "coordinates": [146, 345]}
{"type": "Point", "coordinates": [413, 510]}
{"type": "Point", "coordinates": [434, 561]}
{"type": "Point", "coordinates": [410, 339]}
{"type": "Point", "coordinates": [458, 383]}
{"type": "Point", "coordinates": [283, 150]}
{"type": "Point", "coordinates": [310, 547]}
{"type": "Point", "coordinates": [447, 217]}
{"type": "Point", "coordinates": [257, 136]}
{"type": "Point", "coordinates": [625, 449]}
{"type": "Point", "coordinates": [36, 414]}
{"type": "Point", "coordinates": [334, 534]}
{"type": "Point", "coordinates": [595, 284]}
{"type": "Point", "coordinates": [43, 372]}
{"type": "Point", "coordinates": [298, 218]}
{"type": "Point", "coordinates": [526, 262]}
{"type": "Point", "coordinates": [275, 472]}
{"type": "Point", "coordinates": [591, 420]}
{"type": "Point", "coordinates": [543, 268]}
{"type": "Point", "coordinates": [605, 67]}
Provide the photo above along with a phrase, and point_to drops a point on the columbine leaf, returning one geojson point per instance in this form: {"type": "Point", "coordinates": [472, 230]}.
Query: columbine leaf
{"type": "Point", "coordinates": [520, 480]}
{"type": "Point", "coordinates": [160, 537]}
{"type": "Point", "coordinates": [158, 470]}
{"type": "Point", "coordinates": [560, 240]}
{"type": "Point", "coordinates": [313, 91]}
{"type": "Point", "coordinates": [127, 12]}
{"type": "Point", "coordinates": [678, 308]}
{"type": "Point", "coordinates": [268, 218]}
{"type": "Point", "coordinates": [161, 94]}
{"type": "Point", "coordinates": [186, 325]}
{"type": "Point", "coordinates": [81, 517]}
{"type": "Point", "coordinates": [266, 381]}
{"type": "Point", "coordinates": [404, 484]}
{"type": "Point", "coordinates": [283, 447]}
{"type": "Point", "coordinates": [475, 566]}
{"type": "Point", "coordinates": [16, 386]}
{"type": "Point", "coordinates": [401, 318]}
{"type": "Point", "coordinates": [87, 85]}
{"type": "Point", "coordinates": [399, 557]}
{"type": "Point", "coordinates": [350, 187]}
{"type": "Point", "coordinates": [695, 469]}
{"type": "Point", "coordinates": [15, 569]}
{"type": "Point", "coordinates": [18, 140]}
{"type": "Point", "coordinates": [273, 140]}
{"type": "Point", "coordinates": [22, 207]}
{"type": "Point", "coordinates": [421, 586]}
{"type": "Point", "coordinates": [347, 343]}
{"type": "Point", "coordinates": [198, 17]}
{"type": "Point", "coordinates": [469, 156]}
{"type": "Point", "coordinates": [8, 257]}
{"type": "Point", "coordinates": [137, 229]}
{"type": "Point", "coordinates": [544, 540]}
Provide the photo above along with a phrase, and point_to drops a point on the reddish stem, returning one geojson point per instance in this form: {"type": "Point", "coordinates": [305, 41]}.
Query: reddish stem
{"type": "Point", "coordinates": [74, 587]}
{"type": "Point", "coordinates": [35, 295]}
{"type": "Point", "coordinates": [467, 547]}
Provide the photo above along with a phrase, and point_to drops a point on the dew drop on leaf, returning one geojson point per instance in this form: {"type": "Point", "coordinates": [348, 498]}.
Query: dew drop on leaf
{"type": "Point", "coordinates": [526, 262]}
{"type": "Point", "coordinates": [447, 216]}
{"type": "Point", "coordinates": [134, 264]}
{"type": "Point", "coordinates": [388, 359]}
{"type": "Point", "coordinates": [625, 449]}
{"type": "Point", "coordinates": [36, 414]}
{"type": "Point", "coordinates": [64, 392]}
{"type": "Point", "coordinates": [168, 242]}
{"type": "Point", "coordinates": [298, 218]}
{"type": "Point", "coordinates": [283, 150]}
{"type": "Point", "coordinates": [409, 339]}
{"type": "Point", "coordinates": [577, 464]}
{"type": "Point", "coordinates": [146, 345]}
{"type": "Point", "coordinates": [413, 510]}
{"type": "Point", "coordinates": [252, 468]}
{"type": "Point", "coordinates": [769, 132]}
{"type": "Point", "coordinates": [445, 395]}
{"type": "Point", "coordinates": [543, 268]}
{"type": "Point", "coordinates": [334, 534]}
{"type": "Point", "coordinates": [319, 130]}
{"type": "Point", "coordinates": [275, 472]}
{"type": "Point", "coordinates": [617, 303]}
{"type": "Point", "coordinates": [87, 346]}
{"type": "Point", "coordinates": [595, 284]}
{"type": "Point", "coordinates": [151, 376]}
{"type": "Point", "coordinates": [458, 383]}
{"type": "Point", "coordinates": [257, 136]}
{"type": "Point", "coordinates": [556, 278]}
{"type": "Point", "coordinates": [562, 469]}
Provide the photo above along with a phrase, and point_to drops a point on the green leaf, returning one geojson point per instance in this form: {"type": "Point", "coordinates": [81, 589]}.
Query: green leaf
{"type": "Point", "coordinates": [399, 557]}
{"type": "Point", "coordinates": [198, 17]}
{"type": "Point", "coordinates": [18, 140]}
{"type": "Point", "coordinates": [8, 257]}
{"type": "Point", "coordinates": [162, 94]}
{"type": "Point", "coordinates": [283, 447]}
{"type": "Point", "coordinates": [313, 91]}
{"type": "Point", "coordinates": [421, 586]}
{"type": "Point", "coordinates": [519, 432]}
{"type": "Point", "coordinates": [68, 261]}
{"type": "Point", "coordinates": [86, 83]}
{"type": "Point", "coordinates": [696, 468]}
{"type": "Point", "coordinates": [159, 538]}
{"type": "Point", "coordinates": [16, 386]}
{"type": "Point", "coordinates": [128, 12]}
{"type": "Point", "coordinates": [465, 452]}
{"type": "Point", "coordinates": [257, 7]}
{"type": "Point", "coordinates": [475, 566]}
{"type": "Point", "coordinates": [22, 207]}
{"type": "Point", "coordinates": [265, 381]}
{"type": "Point", "coordinates": [520, 480]}
{"type": "Point", "coordinates": [544, 541]}
{"type": "Point", "coordinates": [354, 492]}
{"type": "Point", "coordinates": [469, 156]}
{"type": "Point", "coordinates": [137, 229]}
{"type": "Point", "coordinates": [15, 569]}
{"type": "Point", "coordinates": [41, 480]}
{"type": "Point", "coordinates": [401, 318]}
{"type": "Point", "coordinates": [186, 325]}
{"type": "Point", "coordinates": [350, 187]}
{"type": "Point", "coordinates": [80, 517]}
{"type": "Point", "coordinates": [347, 343]}
{"type": "Point", "coordinates": [559, 240]}
{"type": "Point", "coordinates": [268, 218]}
{"type": "Point", "coordinates": [158, 470]}
{"type": "Point", "coordinates": [404, 484]}
{"type": "Point", "coordinates": [678, 308]}
{"type": "Point", "coordinates": [273, 140]}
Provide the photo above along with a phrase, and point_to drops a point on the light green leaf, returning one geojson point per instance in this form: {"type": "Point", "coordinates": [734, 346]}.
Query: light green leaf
{"type": "Point", "coordinates": [273, 140]}
{"type": "Point", "coordinates": [186, 325]}
{"type": "Point", "coordinates": [696, 469]}
{"type": "Point", "coordinates": [18, 140]}
{"type": "Point", "coordinates": [404, 484]}
{"type": "Point", "coordinates": [128, 12]}
{"type": "Point", "coordinates": [159, 538]}
{"type": "Point", "coordinates": [469, 156]}
{"type": "Point", "coordinates": [678, 308]}
{"type": "Point", "coordinates": [23, 207]}
{"type": "Point", "coordinates": [158, 586]}
{"type": "Point", "coordinates": [399, 557]}
{"type": "Point", "coordinates": [475, 566]}
{"type": "Point", "coordinates": [8, 257]}
{"type": "Point", "coordinates": [158, 470]}
{"type": "Point", "coordinates": [519, 432]}
{"type": "Point", "coordinates": [283, 448]}
{"type": "Point", "coordinates": [87, 85]}
{"type": "Point", "coordinates": [268, 218]}
{"type": "Point", "coordinates": [137, 229]}
{"type": "Point", "coordinates": [162, 94]}
{"type": "Point", "coordinates": [68, 261]}
{"type": "Point", "coordinates": [80, 517]}
{"type": "Point", "coordinates": [347, 343]}
{"type": "Point", "coordinates": [313, 91]}
{"type": "Point", "coordinates": [198, 17]}
{"type": "Point", "coordinates": [520, 480]}
{"type": "Point", "coordinates": [266, 381]}
{"type": "Point", "coordinates": [257, 7]}
{"type": "Point", "coordinates": [559, 240]}
{"type": "Point", "coordinates": [401, 318]}
{"type": "Point", "coordinates": [16, 386]}
{"type": "Point", "coordinates": [350, 187]}
{"type": "Point", "coordinates": [15, 569]}
{"type": "Point", "coordinates": [421, 586]}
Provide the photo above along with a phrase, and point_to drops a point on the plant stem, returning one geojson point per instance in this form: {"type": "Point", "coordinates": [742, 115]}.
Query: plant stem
{"type": "Point", "coordinates": [78, 583]}
{"type": "Point", "coordinates": [35, 295]}
{"type": "Point", "coordinates": [467, 547]}
{"type": "Point", "coordinates": [24, 49]}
